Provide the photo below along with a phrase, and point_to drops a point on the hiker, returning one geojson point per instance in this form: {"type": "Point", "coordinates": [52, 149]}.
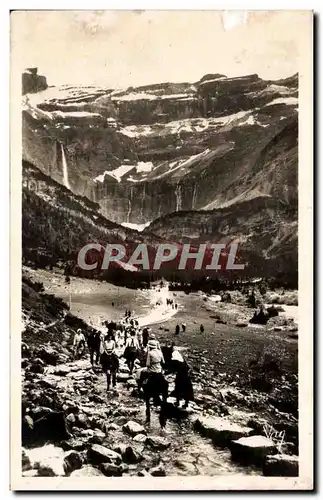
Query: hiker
{"type": "Point", "coordinates": [152, 339]}
{"type": "Point", "coordinates": [201, 328]}
{"type": "Point", "coordinates": [153, 381]}
{"type": "Point", "coordinates": [112, 303]}
{"type": "Point", "coordinates": [117, 338]}
{"type": "Point", "coordinates": [131, 350]}
{"type": "Point", "coordinates": [183, 327]}
{"type": "Point", "coordinates": [177, 330]}
{"type": "Point", "coordinates": [78, 343]}
{"type": "Point", "coordinates": [94, 342]}
{"type": "Point", "coordinates": [183, 384]}
{"type": "Point", "coordinates": [145, 336]}
{"type": "Point", "coordinates": [109, 360]}
{"type": "Point", "coordinates": [175, 306]}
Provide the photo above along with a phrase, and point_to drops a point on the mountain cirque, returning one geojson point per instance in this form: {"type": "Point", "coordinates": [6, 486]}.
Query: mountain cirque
{"type": "Point", "coordinates": [213, 146]}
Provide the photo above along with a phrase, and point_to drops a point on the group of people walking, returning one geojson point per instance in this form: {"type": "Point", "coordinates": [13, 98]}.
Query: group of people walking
{"type": "Point", "coordinates": [140, 349]}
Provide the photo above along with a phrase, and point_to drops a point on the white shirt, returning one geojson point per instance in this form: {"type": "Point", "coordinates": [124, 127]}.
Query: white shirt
{"type": "Point", "coordinates": [176, 356]}
{"type": "Point", "coordinates": [79, 337]}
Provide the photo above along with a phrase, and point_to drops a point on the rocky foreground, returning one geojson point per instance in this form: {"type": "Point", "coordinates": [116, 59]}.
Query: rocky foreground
{"type": "Point", "coordinates": [72, 427]}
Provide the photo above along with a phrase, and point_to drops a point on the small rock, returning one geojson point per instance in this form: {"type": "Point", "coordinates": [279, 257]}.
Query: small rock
{"type": "Point", "coordinates": [220, 430]}
{"type": "Point", "coordinates": [109, 469]}
{"type": "Point", "coordinates": [158, 442]}
{"type": "Point", "coordinates": [110, 427]}
{"type": "Point", "coordinates": [252, 449]}
{"type": "Point", "coordinates": [122, 377]}
{"type": "Point", "coordinates": [133, 428]}
{"type": "Point", "coordinates": [71, 418]}
{"type": "Point", "coordinates": [73, 444]}
{"type": "Point", "coordinates": [30, 473]}
{"type": "Point", "coordinates": [82, 420]}
{"type": "Point", "coordinates": [281, 465]}
{"type": "Point", "coordinates": [98, 454]}
{"type": "Point", "coordinates": [140, 438]}
{"type": "Point", "coordinates": [72, 461]}
{"type": "Point", "coordinates": [158, 471]}
{"type": "Point", "coordinates": [86, 471]}
{"type": "Point", "coordinates": [131, 456]}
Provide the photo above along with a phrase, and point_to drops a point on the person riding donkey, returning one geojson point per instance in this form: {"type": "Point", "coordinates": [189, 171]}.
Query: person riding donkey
{"type": "Point", "coordinates": [94, 343]}
{"type": "Point", "coordinates": [154, 362]}
{"type": "Point", "coordinates": [109, 360]}
{"type": "Point", "coordinates": [153, 382]}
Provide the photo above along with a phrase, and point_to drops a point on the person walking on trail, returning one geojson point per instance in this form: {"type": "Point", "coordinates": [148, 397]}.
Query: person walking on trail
{"type": "Point", "coordinates": [145, 337]}
{"type": "Point", "coordinates": [154, 362]}
{"type": "Point", "coordinates": [94, 344]}
{"type": "Point", "coordinates": [110, 361]}
{"type": "Point", "coordinates": [177, 330]}
{"type": "Point", "coordinates": [183, 327]}
{"type": "Point", "coordinates": [131, 350]}
{"type": "Point", "coordinates": [78, 344]}
{"type": "Point", "coordinates": [183, 384]}
{"type": "Point", "coordinates": [152, 339]}
{"type": "Point", "coordinates": [202, 328]}
{"type": "Point", "coordinates": [155, 358]}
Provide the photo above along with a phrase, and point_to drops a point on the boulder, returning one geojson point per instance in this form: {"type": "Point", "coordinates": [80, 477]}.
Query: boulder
{"type": "Point", "coordinates": [109, 469]}
{"type": "Point", "coordinates": [49, 428]}
{"type": "Point", "coordinates": [73, 444]}
{"type": "Point", "coordinates": [158, 442]}
{"type": "Point", "coordinates": [72, 461]}
{"type": "Point", "coordinates": [98, 454]}
{"type": "Point", "coordinates": [110, 427]}
{"type": "Point", "coordinates": [25, 462]}
{"type": "Point", "coordinates": [133, 428]}
{"type": "Point", "coordinates": [140, 438]}
{"type": "Point", "coordinates": [131, 456]}
{"type": "Point", "coordinates": [220, 430]}
{"type": "Point", "coordinates": [281, 465]}
{"type": "Point", "coordinates": [158, 471]}
{"type": "Point", "coordinates": [71, 418]}
{"type": "Point", "coordinates": [49, 355]}
{"type": "Point", "coordinates": [252, 450]}
{"type": "Point", "coordinates": [82, 420]}
{"type": "Point", "coordinates": [86, 471]}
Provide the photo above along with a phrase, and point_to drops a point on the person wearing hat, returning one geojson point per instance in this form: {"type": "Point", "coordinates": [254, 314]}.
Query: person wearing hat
{"type": "Point", "coordinates": [78, 342]}
{"type": "Point", "coordinates": [154, 341]}
{"type": "Point", "coordinates": [155, 357]}
{"type": "Point", "coordinates": [154, 362]}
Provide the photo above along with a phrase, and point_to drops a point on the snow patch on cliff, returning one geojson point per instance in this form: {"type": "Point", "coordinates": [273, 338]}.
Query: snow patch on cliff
{"type": "Point", "coordinates": [137, 96]}
{"type": "Point", "coordinates": [291, 101]}
{"type": "Point", "coordinates": [136, 227]}
{"type": "Point", "coordinates": [117, 174]}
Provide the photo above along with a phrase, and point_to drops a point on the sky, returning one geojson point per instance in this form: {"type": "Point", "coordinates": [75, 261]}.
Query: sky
{"type": "Point", "coordinates": [128, 48]}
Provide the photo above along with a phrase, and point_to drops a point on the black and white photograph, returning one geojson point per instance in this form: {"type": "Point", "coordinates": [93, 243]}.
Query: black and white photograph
{"type": "Point", "coordinates": [159, 192]}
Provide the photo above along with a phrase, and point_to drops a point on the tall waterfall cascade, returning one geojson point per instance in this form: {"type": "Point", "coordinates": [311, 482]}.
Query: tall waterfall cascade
{"type": "Point", "coordinates": [65, 170]}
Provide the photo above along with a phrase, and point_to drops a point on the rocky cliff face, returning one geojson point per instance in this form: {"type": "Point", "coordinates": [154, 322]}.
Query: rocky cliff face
{"type": "Point", "coordinates": [143, 152]}
{"type": "Point", "coordinates": [32, 82]}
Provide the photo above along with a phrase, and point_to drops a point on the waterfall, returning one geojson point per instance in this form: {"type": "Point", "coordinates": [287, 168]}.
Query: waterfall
{"type": "Point", "coordinates": [194, 196]}
{"type": "Point", "coordinates": [65, 171]}
{"type": "Point", "coordinates": [129, 204]}
{"type": "Point", "coordinates": [178, 194]}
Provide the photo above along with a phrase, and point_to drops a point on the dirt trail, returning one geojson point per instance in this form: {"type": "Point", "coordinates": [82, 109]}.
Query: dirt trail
{"type": "Point", "coordinates": [187, 452]}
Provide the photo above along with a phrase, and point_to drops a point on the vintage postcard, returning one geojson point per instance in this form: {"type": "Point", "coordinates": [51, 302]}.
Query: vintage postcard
{"type": "Point", "coordinates": [161, 250]}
